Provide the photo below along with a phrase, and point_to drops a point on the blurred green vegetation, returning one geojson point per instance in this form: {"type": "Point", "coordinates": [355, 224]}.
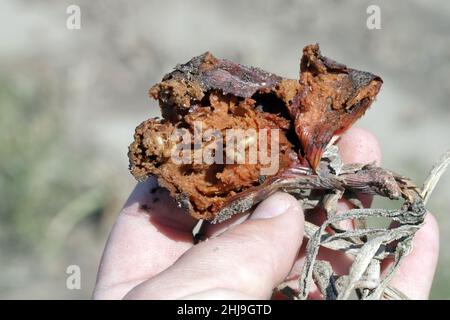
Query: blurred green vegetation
{"type": "Point", "coordinates": [42, 190]}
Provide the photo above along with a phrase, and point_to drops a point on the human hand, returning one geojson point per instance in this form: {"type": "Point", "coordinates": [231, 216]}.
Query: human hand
{"type": "Point", "coordinates": [150, 252]}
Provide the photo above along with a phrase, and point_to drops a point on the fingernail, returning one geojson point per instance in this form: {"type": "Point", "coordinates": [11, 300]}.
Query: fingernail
{"type": "Point", "coordinates": [274, 206]}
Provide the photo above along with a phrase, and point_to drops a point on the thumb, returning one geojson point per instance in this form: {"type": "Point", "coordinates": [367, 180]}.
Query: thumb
{"type": "Point", "coordinates": [248, 259]}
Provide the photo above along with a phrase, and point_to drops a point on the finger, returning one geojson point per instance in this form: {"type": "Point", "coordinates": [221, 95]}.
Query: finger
{"type": "Point", "coordinates": [218, 294]}
{"type": "Point", "coordinates": [212, 230]}
{"type": "Point", "coordinates": [415, 275]}
{"type": "Point", "coordinates": [250, 258]}
{"type": "Point", "coordinates": [148, 236]}
{"type": "Point", "coordinates": [358, 146]}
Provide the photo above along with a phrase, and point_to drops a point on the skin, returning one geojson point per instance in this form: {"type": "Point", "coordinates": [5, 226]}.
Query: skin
{"type": "Point", "coordinates": [150, 253]}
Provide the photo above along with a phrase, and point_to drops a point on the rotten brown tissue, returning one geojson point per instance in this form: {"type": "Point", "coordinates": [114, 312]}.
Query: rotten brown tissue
{"type": "Point", "coordinates": [323, 103]}
{"type": "Point", "coordinates": [310, 114]}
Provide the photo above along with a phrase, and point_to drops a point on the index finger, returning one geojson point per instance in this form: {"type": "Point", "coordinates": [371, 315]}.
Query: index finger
{"type": "Point", "coordinates": [150, 233]}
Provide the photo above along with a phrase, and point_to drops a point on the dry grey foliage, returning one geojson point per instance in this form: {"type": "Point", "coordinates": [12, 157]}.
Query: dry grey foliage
{"type": "Point", "coordinates": [369, 246]}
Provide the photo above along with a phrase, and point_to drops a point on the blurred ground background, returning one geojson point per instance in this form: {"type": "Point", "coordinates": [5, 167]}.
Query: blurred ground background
{"type": "Point", "coordinates": [70, 99]}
